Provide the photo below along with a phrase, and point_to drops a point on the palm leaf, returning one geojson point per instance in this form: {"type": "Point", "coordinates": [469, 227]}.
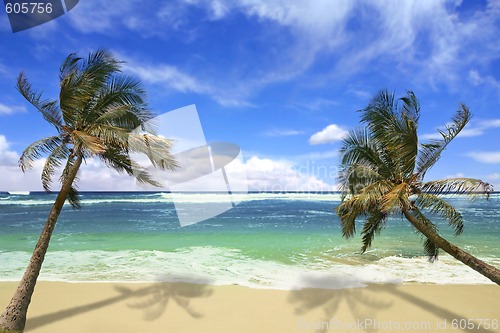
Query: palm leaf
{"type": "Point", "coordinates": [394, 130]}
{"type": "Point", "coordinates": [156, 148]}
{"type": "Point", "coordinates": [37, 150]}
{"type": "Point", "coordinates": [74, 198]}
{"type": "Point", "coordinates": [48, 108]}
{"type": "Point", "coordinates": [439, 206]}
{"type": "Point", "coordinates": [373, 194]}
{"type": "Point", "coordinates": [348, 211]}
{"type": "Point", "coordinates": [121, 162]}
{"type": "Point", "coordinates": [69, 66]}
{"type": "Point", "coordinates": [88, 143]}
{"type": "Point", "coordinates": [430, 152]}
{"type": "Point", "coordinates": [372, 226]}
{"type": "Point", "coordinates": [357, 177]}
{"type": "Point", "coordinates": [397, 199]}
{"type": "Point", "coordinates": [53, 162]}
{"type": "Point", "coordinates": [379, 115]}
{"type": "Point", "coordinates": [469, 186]}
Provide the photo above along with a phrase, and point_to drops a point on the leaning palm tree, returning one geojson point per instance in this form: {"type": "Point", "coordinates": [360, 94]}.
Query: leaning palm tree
{"type": "Point", "coordinates": [382, 172]}
{"type": "Point", "coordinates": [96, 116]}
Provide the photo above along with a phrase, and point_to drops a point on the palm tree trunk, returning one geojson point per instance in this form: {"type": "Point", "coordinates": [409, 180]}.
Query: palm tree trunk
{"type": "Point", "coordinates": [476, 264]}
{"type": "Point", "coordinates": [13, 319]}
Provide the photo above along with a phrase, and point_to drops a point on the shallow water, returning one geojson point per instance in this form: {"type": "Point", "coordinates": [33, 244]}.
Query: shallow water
{"type": "Point", "coordinates": [269, 240]}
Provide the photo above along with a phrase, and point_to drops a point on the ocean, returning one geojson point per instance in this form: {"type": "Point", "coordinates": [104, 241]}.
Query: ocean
{"type": "Point", "coordinates": [268, 240]}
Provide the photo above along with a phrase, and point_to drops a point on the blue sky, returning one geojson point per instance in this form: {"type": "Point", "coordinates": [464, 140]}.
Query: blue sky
{"type": "Point", "coordinates": [281, 78]}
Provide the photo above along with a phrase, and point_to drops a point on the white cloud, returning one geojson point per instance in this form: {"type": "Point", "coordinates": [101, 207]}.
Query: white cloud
{"type": "Point", "coordinates": [13, 179]}
{"type": "Point", "coordinates": [7, 157]}
{"type": "Point", "coordinates": [319, 155]}
{"type": "Point", "coordinates": [491, 157]}
{"type": "Point", "coordinates": [10, 109]}
{"type": "Point", "coordinates": [493, 176]}
{"type": "Point", "coordinates": [392, 30]}
{"type": "Point", "coordinates": [282, 132]}
{"type": "Point", "coordinates": [318, 104]}
{"type": "Point", "coordinates": [172, 78]}
{"type": "Point", "coordinates": [428, 37]}
{"type": "Point", "coordinates": [331, 133]}
{"type": "Point", "coordinates": [101, 17]}
{"type": "Point", "coordinates": [93, 175]}
{"type": "Point", "coordinates": [488, 80]}
{"type": "Point", "coordinates": [265, 174]}
{"type": "Point", "coordinates": [166, 75]}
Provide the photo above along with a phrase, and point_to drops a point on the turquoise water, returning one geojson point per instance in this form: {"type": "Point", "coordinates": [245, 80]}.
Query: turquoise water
{"type": "Point", "coordinates": [268, 240]}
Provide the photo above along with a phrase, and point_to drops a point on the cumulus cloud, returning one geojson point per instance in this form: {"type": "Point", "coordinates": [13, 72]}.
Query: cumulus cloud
{"type": "Point", "coordinates": [490, 157]}
{"type": "Point", "coordinates": [93, 175]}
{"type": "Point", "coordinates": [13, 179]}
{"type": "Point", "coordinates": [331, 133]}
{"type": "Point", "coordinates": [7, 157]}
{"type": "Point", "coordinates": [265, 174]}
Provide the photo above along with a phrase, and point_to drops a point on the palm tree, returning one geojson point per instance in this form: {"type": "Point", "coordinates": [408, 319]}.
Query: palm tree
{"type": "Point", "coordinates": [95, 117]}
{"type": "Point", "coordinates": [382, 172]}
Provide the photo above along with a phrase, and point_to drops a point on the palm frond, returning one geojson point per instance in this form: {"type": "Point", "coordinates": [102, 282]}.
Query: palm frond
{"type": "Point", "coordinates": [404, 139]}
{"type": "Point", "coordinates": [380, 114]}
{"type": "Point", "coordinates": [124, 116]}
{"type": "Point", "coordinates": [348, 211]}
{"type": "Point", "coordinates": [439, 206]}
{"type": "Point", "coordinates": [81, 81]}
{"type": "Point", "coordinates": [70, 162]}
{"type": "Point", "coordinates": [411, 106]}
{"type": "Point", "coordinates": [122, 90]}
{"type": "Point", "coordinates": [397, 199]}
{"type": "Point", "coordinates": [394, 130]}
{"type": "Point", "coordinates": [430, 152]}
{"type": "Point", "coordinates": [469, 186]}
{"type": "Point", "coordinates": [74, 198]}
{"type": "Point", "coordinates": [122, 163]}
{"type": "Point", "coordinates": [53, 162]}
{"type": "Point", "coordinates": [37, 150]}
{"type": "Point", "coordinates": [88, 143]}
{"type": "Point", "coordinates": [356, 177]}
{"type": "Point", "coordinates": [69, 66]}
{"type": "Point", "coordinates": [48, 108]}
{"type": "Point", "coordinates": [357, 147]}
{"type": "Point", "coordinates": [372, 226]}
{"type": "Point", "coordinates": [110, 135]}
{"type": "Point", "coordinates": [373, 194]}
{"type": "Point", "coordinates": [156, 148]}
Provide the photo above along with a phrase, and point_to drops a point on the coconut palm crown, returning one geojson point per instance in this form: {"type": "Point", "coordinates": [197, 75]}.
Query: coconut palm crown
{"type": "Point", "coordinates": [383, 167]}
{"type": "Point", "coordinates": [96, 116]}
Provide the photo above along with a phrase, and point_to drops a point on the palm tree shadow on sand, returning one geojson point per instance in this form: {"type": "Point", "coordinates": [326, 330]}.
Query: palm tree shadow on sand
{"type": "Point", "coordinates": [156, 301]}
{"type": "Point", "coordinates": [153, 300]}
{"type": "Point", "coordinates": [360, 304]}
{"type": "Point", "coordinates": [363, 303]}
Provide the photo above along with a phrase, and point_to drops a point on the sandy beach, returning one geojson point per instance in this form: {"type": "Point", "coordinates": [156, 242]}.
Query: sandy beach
{"type": "Point", "coordinates": [182, 307]}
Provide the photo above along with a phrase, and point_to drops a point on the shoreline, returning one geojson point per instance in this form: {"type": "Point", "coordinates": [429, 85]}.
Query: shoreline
{"type": "Point", "coordinates": [186, 307]}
